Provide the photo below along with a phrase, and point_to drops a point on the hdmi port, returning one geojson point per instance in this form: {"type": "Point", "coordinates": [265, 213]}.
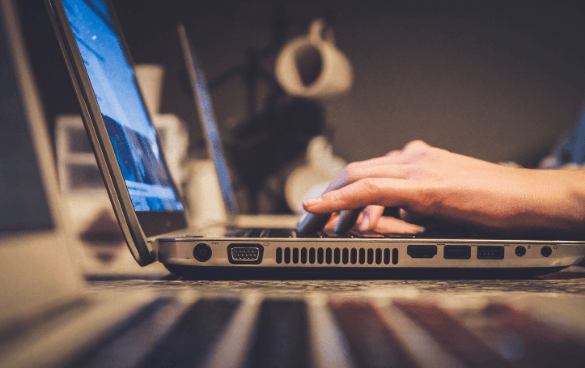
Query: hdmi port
{"type": "Point", "coordinates": [421, 251]}
{"type": "Point", "coordinates": [245, 253]}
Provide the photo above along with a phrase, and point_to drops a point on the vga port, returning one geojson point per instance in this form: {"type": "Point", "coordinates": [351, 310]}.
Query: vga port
{"type": "Point", "coordinates": [245, 253]}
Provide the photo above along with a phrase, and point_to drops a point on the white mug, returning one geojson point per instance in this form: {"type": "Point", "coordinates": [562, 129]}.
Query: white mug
{"type": "Point", "coordinates": [312, 66]}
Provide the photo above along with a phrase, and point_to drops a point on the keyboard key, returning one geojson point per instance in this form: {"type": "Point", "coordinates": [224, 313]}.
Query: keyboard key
{"type": "Point", "coordinates": [282, 336]}
{"type": "Point", "coordinates": [281, 233]}
{"type": "Point", "coordinates": [194, 336]}
{"type": "Point", "coordinates": [451, 334]}
{"type": "Point", "coordinates": [371, 340]}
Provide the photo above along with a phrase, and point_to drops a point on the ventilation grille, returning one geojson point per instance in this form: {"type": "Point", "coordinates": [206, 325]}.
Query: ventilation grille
{"type": "Point", "coordinates": [336, 256]}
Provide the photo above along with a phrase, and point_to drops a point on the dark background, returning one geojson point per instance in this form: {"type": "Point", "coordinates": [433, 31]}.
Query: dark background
{"type": "Point", "coordinates": [497, 80]}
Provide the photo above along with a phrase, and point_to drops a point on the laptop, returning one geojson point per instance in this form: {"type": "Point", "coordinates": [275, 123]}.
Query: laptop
{"type": "Point", "coordinates": [153, 219]}
{"type": "Point", "coordinates": [215, 150]}
{"type": "Point", "coordinates": [46, 317]}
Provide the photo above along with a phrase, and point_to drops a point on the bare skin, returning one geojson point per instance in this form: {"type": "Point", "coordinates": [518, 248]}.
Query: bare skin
{"type": "Point", "coordinates": [431, 183]}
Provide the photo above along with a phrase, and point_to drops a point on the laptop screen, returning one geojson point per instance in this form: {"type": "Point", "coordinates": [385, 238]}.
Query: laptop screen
{"type": "Point", "coordinates": [131, 132]}
{"type": "Point", "coordinates": [209, 123]}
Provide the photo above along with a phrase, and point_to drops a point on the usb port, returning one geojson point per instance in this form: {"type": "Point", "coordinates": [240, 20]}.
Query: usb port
{"type": "Point", "coordinates": [490, 252]}
{"type": "Point", "coordinates": [421, 251]}
{"type": "Point", "coordinates": [457, 252]}
{"type": "Point", "coordinates": [245, 253]}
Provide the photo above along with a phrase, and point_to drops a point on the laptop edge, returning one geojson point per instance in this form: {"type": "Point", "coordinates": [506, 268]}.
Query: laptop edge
{"type": "Point", "coordinates": [136, 226]}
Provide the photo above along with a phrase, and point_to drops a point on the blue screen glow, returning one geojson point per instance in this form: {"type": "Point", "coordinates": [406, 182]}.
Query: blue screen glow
{"type": "Point", "coordinates": [130, 129]}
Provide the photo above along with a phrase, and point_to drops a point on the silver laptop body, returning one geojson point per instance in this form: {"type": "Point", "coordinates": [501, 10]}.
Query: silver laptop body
{"type": "Point", "coordinates": [152, 216]}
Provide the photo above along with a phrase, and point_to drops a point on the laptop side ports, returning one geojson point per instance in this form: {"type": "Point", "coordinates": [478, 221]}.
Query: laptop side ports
{"type": "Point", "coordinates": [490, 252]}
{"type": "Point", "coordinates": [421, 251]}
{"type": "Point", "coordinates": [457, 252]}
{"type": "Point", "coordinates": [245, 253]}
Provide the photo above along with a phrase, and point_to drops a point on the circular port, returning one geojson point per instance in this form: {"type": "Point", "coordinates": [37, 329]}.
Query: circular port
{"type": "Point", "coordinates": [202, 252]}
{"type": "Point", "coordinates": [520, 250]}
{"type": "Point", "coordinates": [546, 251]}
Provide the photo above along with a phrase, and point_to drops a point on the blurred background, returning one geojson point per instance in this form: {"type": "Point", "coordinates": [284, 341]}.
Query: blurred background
{"type": "Point", "coordinates": [497, 80]}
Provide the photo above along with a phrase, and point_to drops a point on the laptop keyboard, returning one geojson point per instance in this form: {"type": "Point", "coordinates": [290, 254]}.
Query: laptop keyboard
{"type": "Point", "coordinates": [291, 233]}
{"type": "Point", "coordinates": [261, 233]}
{"type": "Point", "coordinates": [432, 232]}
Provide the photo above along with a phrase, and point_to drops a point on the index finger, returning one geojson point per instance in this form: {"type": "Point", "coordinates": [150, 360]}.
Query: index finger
{"type": "Point", "coordinates": [345, 177]}
{"type": "Point", "coordinates": [312, 222]}
{"type": "Point", "coordinates": [387, 192]}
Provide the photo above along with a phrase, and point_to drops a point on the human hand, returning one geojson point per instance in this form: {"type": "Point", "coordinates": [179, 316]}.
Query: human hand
{"type": "Point", "coordinates": [431, 183]}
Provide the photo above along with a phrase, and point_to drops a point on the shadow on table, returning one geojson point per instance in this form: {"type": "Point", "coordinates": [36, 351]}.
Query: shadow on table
{"type": "Point", "coordinates": [314, 273]}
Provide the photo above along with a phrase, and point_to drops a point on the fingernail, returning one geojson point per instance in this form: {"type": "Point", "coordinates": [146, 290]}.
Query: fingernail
{"type": "Point", "coordinates": [421, 229]}
{"type": "Point", "coordinates": [313, 201]}
{"type": "Point", "coordinates": [364, 224]}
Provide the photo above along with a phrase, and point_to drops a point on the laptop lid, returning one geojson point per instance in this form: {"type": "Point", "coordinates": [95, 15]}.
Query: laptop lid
{"type": "Point", "coordinates": [36, 270]}
{"type": "Point", "coordinates": [208, 123]}
{"type": "Point", "coordinates": [121, 132]}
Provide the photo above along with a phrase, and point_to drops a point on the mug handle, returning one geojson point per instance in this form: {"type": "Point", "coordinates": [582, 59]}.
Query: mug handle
{"type": "Point", "coordinates": [319, 32]}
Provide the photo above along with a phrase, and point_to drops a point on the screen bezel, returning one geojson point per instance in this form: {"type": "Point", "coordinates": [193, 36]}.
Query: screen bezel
{"type": "Point", "coordinates": [136, 227]}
